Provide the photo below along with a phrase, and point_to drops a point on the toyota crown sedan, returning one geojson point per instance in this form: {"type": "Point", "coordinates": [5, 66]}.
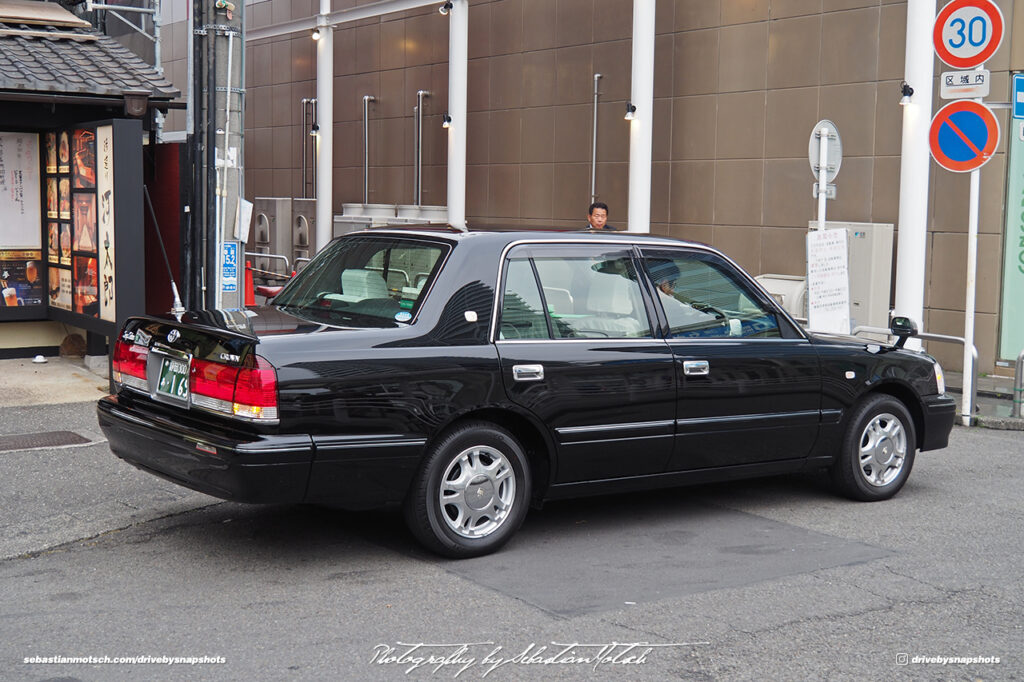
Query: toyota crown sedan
{"type": "Point", "coordinates": [466, 376]}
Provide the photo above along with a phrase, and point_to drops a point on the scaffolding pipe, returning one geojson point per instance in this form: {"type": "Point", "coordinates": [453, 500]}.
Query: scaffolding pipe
{"type": "Point", "coordinates": [593, 147]}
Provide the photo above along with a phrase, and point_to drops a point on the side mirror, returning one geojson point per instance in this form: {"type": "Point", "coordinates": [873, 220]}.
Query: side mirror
{"type": "Point", "coordinates": [902, 328]}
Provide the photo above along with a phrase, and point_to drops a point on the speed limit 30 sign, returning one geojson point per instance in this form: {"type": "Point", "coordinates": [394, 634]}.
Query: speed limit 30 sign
{"type": "Point", "coordinates": [968, 32]}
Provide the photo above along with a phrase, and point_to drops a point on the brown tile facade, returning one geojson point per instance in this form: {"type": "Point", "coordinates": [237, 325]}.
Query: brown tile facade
{"type": "Point", "coordinates": [738, 86]}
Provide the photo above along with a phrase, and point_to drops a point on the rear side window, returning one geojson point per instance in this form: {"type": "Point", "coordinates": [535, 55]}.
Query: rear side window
{"type": "Point", "coordinates": [522, 311]}
{"type": "Point", "coordinates": [566, 295]}
{"type": "Point", "coordinates": [704, 297]}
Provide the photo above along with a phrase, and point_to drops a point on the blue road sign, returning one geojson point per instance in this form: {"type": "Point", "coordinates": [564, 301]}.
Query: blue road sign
{"type": "Point", "coordinates": [229, 268]}
{"type": "Point", "coordinates": [1018, 95]}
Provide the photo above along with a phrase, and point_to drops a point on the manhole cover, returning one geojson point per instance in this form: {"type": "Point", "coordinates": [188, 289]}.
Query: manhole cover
{"type": "Point", "coordinates": [47, 439]}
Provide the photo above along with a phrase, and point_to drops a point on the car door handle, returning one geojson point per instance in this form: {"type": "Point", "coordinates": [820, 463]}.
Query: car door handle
{"type": "Point", "coordinates": [528, 372]}
{"type": "Point", "coordinates": [696, 368]}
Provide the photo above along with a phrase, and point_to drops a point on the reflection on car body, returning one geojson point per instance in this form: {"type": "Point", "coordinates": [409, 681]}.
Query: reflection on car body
{"type": "Point", "coordinates": [466, 376]}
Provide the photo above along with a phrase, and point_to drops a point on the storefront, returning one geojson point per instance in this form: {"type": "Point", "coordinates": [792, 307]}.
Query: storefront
{"type": "Point", "coordinates": [74, 109]}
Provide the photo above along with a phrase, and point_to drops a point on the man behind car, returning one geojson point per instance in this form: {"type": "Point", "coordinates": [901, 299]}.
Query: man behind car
{"type": "Point", "coordinates": [597, 217]}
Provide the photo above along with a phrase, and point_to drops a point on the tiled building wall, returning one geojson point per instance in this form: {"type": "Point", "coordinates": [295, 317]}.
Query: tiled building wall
{"type": "Point", "coordinates": [738, 86]}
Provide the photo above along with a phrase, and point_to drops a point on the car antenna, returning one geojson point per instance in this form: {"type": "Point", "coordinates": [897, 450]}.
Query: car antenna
{"type": "Point", "coordinates": [177, 309]}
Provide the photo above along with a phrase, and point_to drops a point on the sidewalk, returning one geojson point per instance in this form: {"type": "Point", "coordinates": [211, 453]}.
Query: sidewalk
{"type": "Point", "coordinates": [59, 380]}
{"type": "Point", "coordinates": [995, 401]}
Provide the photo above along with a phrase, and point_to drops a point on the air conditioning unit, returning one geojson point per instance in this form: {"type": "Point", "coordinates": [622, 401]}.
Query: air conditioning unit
{"type": "Point", "coordinates": [789, 291]}
{"type": "Point", "coordinates": [303, 231]}
{"type": "Point", "coordinates": [272, 232]}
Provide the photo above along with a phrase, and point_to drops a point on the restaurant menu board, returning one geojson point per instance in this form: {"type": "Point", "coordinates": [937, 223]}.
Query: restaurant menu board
{"type": "Point", "coordinates": [21, 278]}
{"type": "Point", "coordinates": [19, 191]}
{"type": "Point", "coordinates": [71, 223]}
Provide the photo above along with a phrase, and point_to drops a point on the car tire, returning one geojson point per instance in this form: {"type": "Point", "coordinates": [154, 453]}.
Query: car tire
{"type": "Point", "coordinates": [877, 450]}
{"type": "Point", "coordinates": [471, 493]}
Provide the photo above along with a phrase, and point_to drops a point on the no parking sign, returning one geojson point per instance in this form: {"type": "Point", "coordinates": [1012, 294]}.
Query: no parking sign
{"type": "Point", "coordinates": [963, 136]}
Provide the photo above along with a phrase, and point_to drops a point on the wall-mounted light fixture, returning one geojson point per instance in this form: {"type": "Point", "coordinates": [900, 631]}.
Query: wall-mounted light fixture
{"type": "Point", "coordinates": [445, 9]}
{"type": "Point", "coordinates": [446, 121]}
{"type": "Point", "coordinates": [316, 34]}
{"type": "Point", "coordinates": [630, 112]}
{"type": "Point", "coordinates": [906, 92]}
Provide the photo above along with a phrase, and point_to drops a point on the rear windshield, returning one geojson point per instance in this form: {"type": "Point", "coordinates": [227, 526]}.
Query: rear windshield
{"type": "Point", "coordinates": [365, 278]}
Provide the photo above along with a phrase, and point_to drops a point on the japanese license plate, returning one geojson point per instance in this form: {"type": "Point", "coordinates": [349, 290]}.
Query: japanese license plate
{"type": "Point", "coordinates": [173, 379]}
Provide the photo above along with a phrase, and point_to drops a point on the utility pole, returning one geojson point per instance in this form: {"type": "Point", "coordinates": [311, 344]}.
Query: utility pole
{"type": "Point", "coordinates": [219, 101]}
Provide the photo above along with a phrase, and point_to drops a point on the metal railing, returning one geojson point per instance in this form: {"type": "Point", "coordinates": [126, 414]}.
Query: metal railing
{"type": "Point", "coordinates": [970, 392]}
{"type": "Point", "coordinates": [287, 263]}
{"type": "Point", "coordinates": [1018, 386]}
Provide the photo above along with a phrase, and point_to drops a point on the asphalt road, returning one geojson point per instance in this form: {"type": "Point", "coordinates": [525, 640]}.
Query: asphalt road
{"type": "Point", "coordinates": [774, 579]}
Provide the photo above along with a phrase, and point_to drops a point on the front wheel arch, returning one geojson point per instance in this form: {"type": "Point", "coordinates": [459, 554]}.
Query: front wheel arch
{"type": "Point", "coordinates": [877, 450]}
{"type": "Point", "coordinates": [910, 400]}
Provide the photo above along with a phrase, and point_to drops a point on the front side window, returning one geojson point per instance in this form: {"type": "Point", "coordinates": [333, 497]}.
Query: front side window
{"type": "Point", "coordinates": [704, 297]}
{"type": "Point", "coordinates": [365, 279]}
{"type": "Point", "coordinates": [580, 296]}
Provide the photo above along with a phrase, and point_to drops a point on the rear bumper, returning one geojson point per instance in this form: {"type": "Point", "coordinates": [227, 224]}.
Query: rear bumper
{"type": "Point", "coordinates": [939, 413]}
{"type": "Point", "coordinates": [251, 468]}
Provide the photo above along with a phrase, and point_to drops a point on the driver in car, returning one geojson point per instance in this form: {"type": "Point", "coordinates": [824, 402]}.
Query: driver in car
{"type": "Point", "coordinates": [681, 311]}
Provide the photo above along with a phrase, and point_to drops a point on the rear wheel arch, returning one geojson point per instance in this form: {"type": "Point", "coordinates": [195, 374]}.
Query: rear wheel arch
{"type": "Point", "coordinates": [539, 449]}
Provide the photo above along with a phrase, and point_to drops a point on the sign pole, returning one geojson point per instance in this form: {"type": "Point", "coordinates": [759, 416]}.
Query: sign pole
{"type": "Point", "coordinates": [967, 409]}
{"type": "Point", "coordinates": [964, 134]}
{"type": "Point", "coordinates": [823, 133]}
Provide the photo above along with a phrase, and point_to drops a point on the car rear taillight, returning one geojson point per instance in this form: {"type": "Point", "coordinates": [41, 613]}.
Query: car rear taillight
{"type": "Point", "coordinates": [249, 392]}
{"type": "Point", "coordinates": [129, 365]}
{"type": "Point", "coordinates": [256, 390]}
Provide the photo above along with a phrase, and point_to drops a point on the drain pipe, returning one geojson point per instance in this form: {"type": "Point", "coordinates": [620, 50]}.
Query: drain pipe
{"type": "Point", "coordinates": [366, 147]}
{"type": "Point", "coordinates": [593, 147]}
{"type": "Point", "coordinates": [308, 106]}
{"type": "Point", "coordinates": [418, 180]}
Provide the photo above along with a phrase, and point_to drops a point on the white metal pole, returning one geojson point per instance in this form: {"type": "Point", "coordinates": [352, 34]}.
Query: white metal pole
{"type": "Point", "coordinates": [458, 78]}
{"type": "Point", "coordinates": [641, 127]}
{"type": "Point", "coordinates": [823, 133]}
{"type": "Point", "coordinates": [914, 165]}
{"type": "Point", "coordinates": [325, 138]}
{"type": "Point", "coordinates": [967, 408]}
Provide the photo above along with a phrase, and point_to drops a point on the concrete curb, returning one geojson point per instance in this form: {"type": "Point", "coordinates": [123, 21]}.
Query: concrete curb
{"type": "Point", "coordinates": [1000, 423]}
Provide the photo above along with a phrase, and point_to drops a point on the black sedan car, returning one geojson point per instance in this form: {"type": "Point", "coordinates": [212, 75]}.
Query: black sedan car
{"type": "Point", "coordinates": [468, 375]}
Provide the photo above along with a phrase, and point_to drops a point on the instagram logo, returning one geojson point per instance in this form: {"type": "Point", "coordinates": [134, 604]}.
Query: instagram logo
{"type": "Point", "coordinates": [902, 659]}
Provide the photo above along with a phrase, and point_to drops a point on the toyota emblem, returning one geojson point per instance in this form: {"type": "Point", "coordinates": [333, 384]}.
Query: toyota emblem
{"type": "Point", "coordinates": [173, 335]}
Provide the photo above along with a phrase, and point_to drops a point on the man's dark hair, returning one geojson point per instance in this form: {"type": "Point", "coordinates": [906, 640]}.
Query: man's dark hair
{"type": "Point", "coordinates": [597, 204]}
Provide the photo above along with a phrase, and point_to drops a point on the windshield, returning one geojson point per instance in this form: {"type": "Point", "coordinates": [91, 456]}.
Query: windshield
{"type": "Point", "coordinates": [363, 279]}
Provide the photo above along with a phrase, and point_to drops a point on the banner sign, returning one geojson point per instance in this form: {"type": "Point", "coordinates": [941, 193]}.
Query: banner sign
{"type": "Point", "coordinates": [19, 191]}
